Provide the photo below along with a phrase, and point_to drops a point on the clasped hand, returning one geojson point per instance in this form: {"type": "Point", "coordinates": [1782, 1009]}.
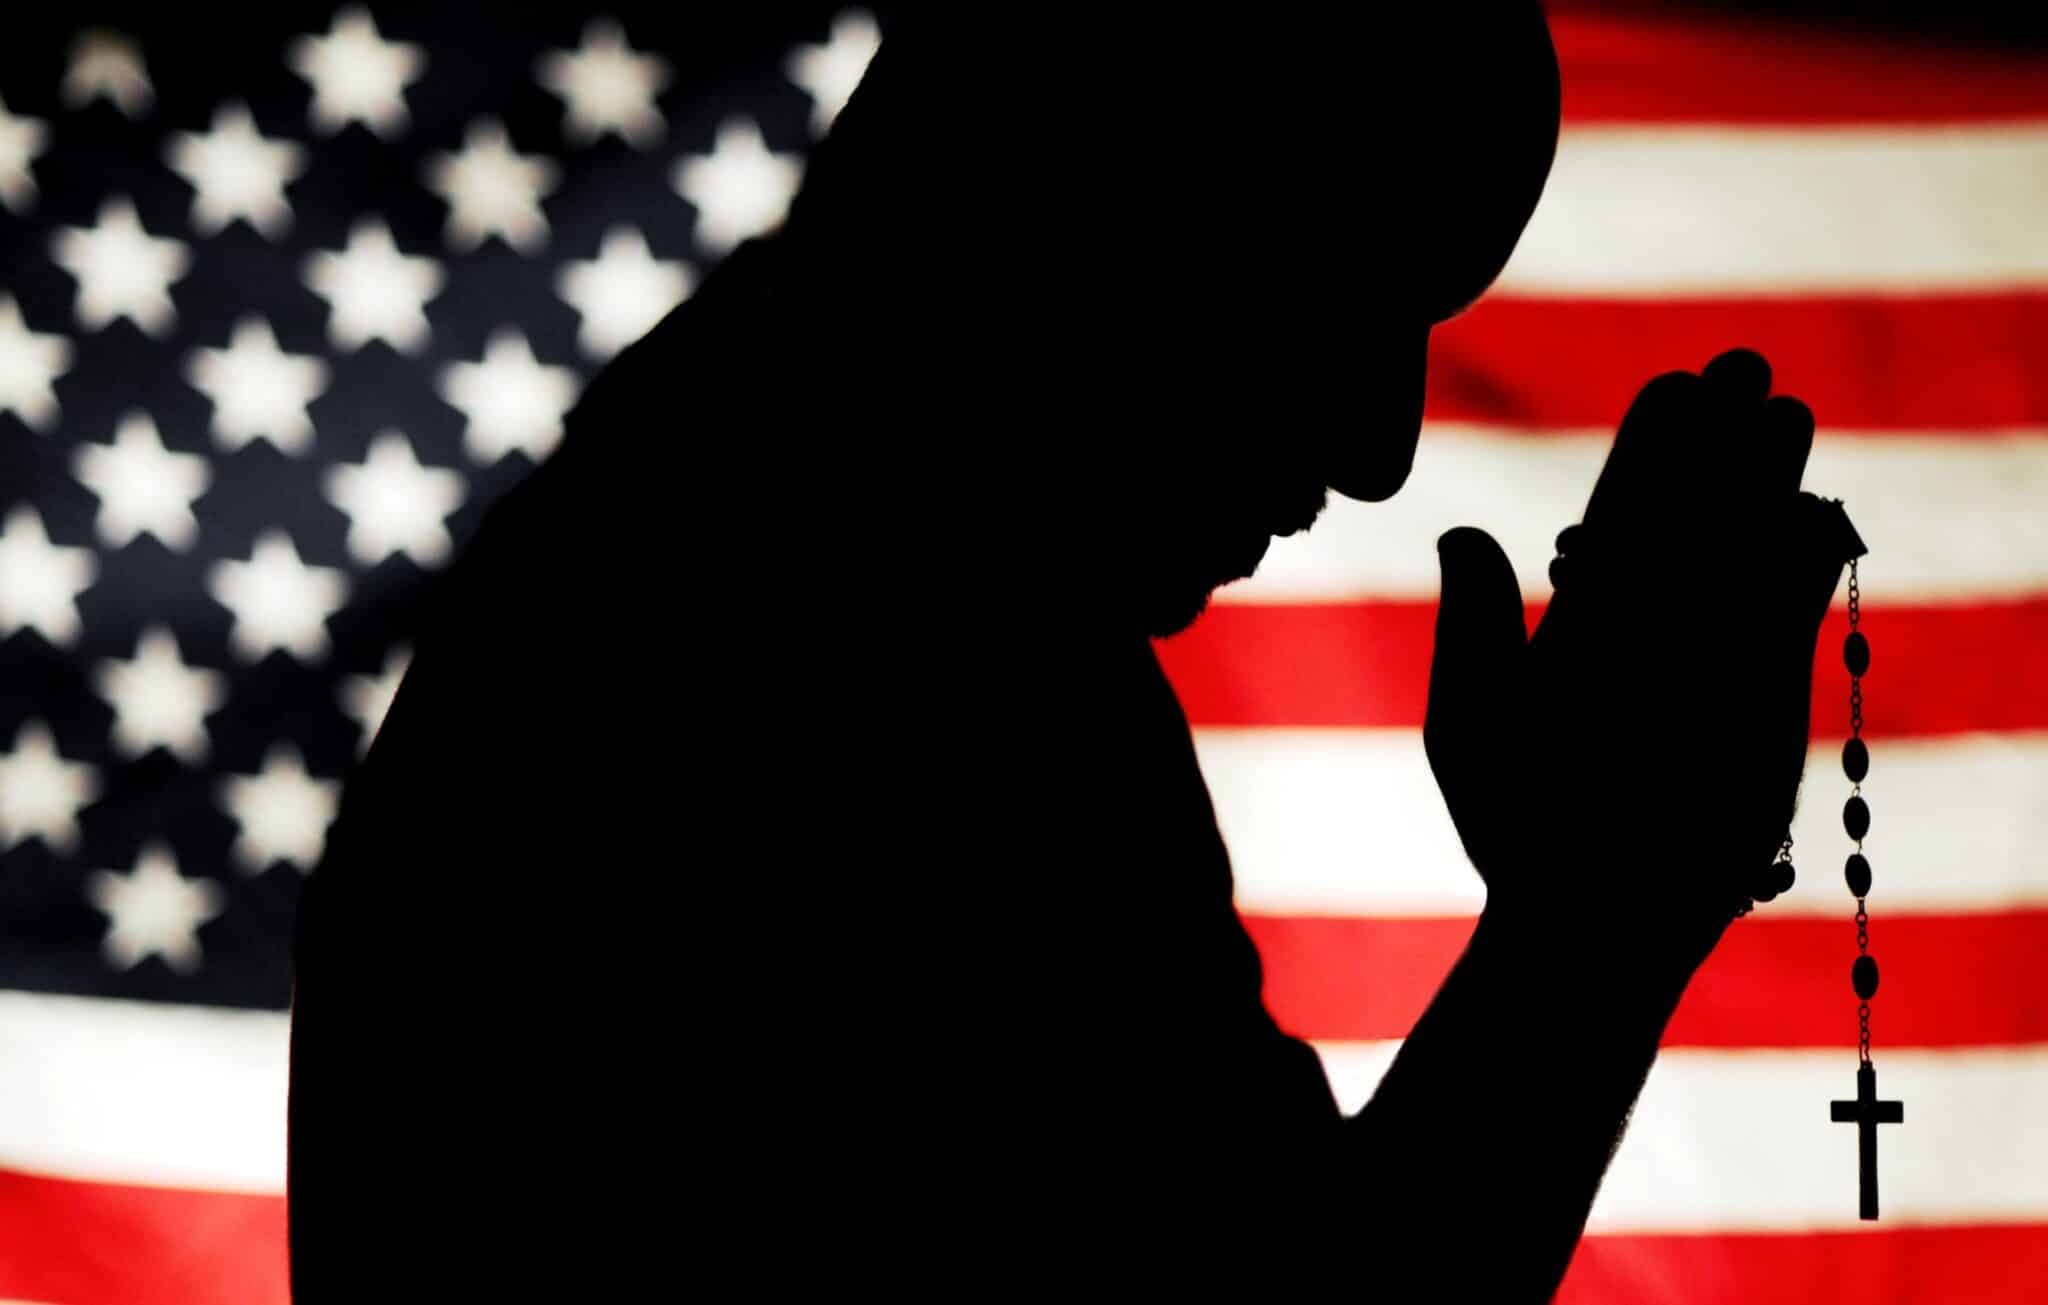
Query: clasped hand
{"type": "Point", "coordinates": [1633, 764]}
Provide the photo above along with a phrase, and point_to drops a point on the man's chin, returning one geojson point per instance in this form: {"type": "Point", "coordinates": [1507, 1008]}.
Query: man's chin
{"type": "Point", "coordinates": [1173, 606]}
{"type": "Point", "coordinates": [1169, 617]}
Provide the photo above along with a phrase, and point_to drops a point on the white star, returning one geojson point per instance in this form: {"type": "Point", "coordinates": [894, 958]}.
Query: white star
{"type": "Point", "coordinates": [142, 485]}
{"type": "Point", "coordinates": [40, 792]}
{"type": "Point", "coordinates": [394, 504]}
{"type": "Point", "coordinates": [740, 189]}
{"type": "Point", "coordinates": [367, 698]}
{"type": "Point", "coordinates": [237, 173]}
{"type": "Point", "coordinates": [374, 292]}
{"type": "Point", "coordinates": [21, 139]}
{"type": "Point", "coordinates": [278, 601]}
{"type": "Point", "coordinates": [258, 390]}
{"type": "Point", "coordinates": [607, 87]}
{"type": "Point", "coordinates": [492, 190]}
{"type": "Point", "coordinates": [107, 63]}
{"type": "Point", "coordinates": [828, 73]}
{"type": "Point", "coordinates": [154, 911]}
{"type": "Point", "coordinates": [622, 293]}
{"type": "Point", "coordinates": [284, 813]}
{"type": "Point", "coordinates": [29, 364]}
{"type": "Point", "coordinates": [121, 270]}
{"type": "Point", "coordinates": [159, 701]}
{"type": "Point", "coordinates": [512, 399]}
{"type": "Point", "coordinates": [356, 75]}
{"type": "Point", "coordinates": [40, 581]}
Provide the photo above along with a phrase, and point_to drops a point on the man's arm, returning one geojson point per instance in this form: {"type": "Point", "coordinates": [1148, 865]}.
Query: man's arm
{"type": "Point", "coordinates": [1661, 703]}
{"type": "Point", "coordinates": [1499, 1116]}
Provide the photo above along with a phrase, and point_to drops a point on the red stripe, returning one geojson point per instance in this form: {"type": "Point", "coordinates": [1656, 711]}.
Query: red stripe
{"type": "Point", "coordinates": [1947, 980]}
{"type": "Point", "coordinates": [1651, 67]}
{"type": "Point", "coordinates": [1944, 670]}
{"type": "Point", "coordinates": [1984, 1265]}
{"type": "Point", "coordinates": [1943, 364]}
{"type": "Point", "coordinates": [107, 1244]}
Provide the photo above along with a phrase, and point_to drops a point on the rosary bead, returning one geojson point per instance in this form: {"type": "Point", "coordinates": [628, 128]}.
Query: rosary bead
{"type": "Point", "coordinates": [1863, 974]}
{"type": "Point", "coordinates": [1855, 760]}
{"type": "Point", "coordinates": [1857, 872]}
{"type": "Point", "coordinates": [1856, 818]}
{"type": "Point", "coordinates": [1785, 877]}
{"type": "Point", "coordinates": [1856, 653]}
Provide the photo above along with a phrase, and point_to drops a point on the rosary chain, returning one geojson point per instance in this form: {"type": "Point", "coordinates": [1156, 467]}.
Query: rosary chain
{"type": "Point", "coordinates": [1855, 681]}
{"type": "Point", "coordinates": [1856, 731]}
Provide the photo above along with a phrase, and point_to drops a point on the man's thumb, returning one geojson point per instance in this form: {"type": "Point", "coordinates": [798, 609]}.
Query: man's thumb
{"type": "Point", "coordinates": [1480, 638]}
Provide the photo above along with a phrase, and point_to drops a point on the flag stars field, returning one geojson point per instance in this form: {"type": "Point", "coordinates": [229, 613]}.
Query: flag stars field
{"type": "Point", "coordinates": [40, 581]}
{"type": "Point", "coordinates": [282, 810]}
{"type": "Point", "coordinates": [373, 291]}
{"type": "Point", "coordinates": [607, 87]}
{"type": "Point", "coordinates": [42, 791]}
{"type": "Point", "coordinates": [30, 363]}
{"type": "Point", "coordinates": [357, 76]}
{"type": "Point", "coordinates": [395, 505]}
{"type": "Point", "coordinates": [493, 190]}
{"type": "Point", "coordinates": [121, 269]}
{"type": "Point", "coordinates": [142, 486]}
{"type": "Point", "coordinates": [622, 292]}
{"type": "Point", "coordinates": [153, 910]}
{"type": "Point", "coordinates": [280, 604]}
{"type": "Point", "coordinates": [365, 698]}
{"type": "Point", "coordinates": [108, 65]}
{"type": "Point", "coordinates": [740, 189]}
{"type": "Point", "coordinates": [511, 401]}
{"type": "Point", "coordinates": [237, 173]}
{"type": "Point", "coordinates": [22, 139]}
{"type": "Point", "coordinates": [258, 390]}
{"type": "Point", "coordinates": [829, 73]}
{"type": "Point", "coordinates": [158, 700]}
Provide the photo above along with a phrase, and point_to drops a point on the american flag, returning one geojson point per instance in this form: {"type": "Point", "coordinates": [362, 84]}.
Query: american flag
{"type": "Point", "coordinates": [287, 306]}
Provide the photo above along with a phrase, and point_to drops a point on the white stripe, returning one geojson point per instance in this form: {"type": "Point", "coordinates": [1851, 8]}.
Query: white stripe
{"type": "Point", "coordinates": [1727, 1141]}
{"type": "Point", "coordinates": [1349, 822]}
{"type": "Point", "coordinates": [137, 1092]}
{"type": "Point", "coordinates": [190, 1097]}
{"type": "Point", "coordinates": [1696, 210]}
{"type": "Point", "coordinates": [1945, 519]}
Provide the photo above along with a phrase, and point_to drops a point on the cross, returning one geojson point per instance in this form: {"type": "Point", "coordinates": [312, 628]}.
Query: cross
{"type": "Point", "coordinates": [1867, 1112]}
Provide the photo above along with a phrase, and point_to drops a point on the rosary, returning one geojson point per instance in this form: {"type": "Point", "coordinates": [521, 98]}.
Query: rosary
{"type": "Point", "coordinates": [1865, 1110]}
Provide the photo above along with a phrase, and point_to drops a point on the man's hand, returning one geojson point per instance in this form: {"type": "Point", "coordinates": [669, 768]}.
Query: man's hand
{"type": "Point", "coordinates": [1629, 771]}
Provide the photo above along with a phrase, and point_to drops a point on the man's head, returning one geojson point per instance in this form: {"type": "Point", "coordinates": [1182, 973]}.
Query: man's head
{"type": "Point", "coordinates": [1195, 263]}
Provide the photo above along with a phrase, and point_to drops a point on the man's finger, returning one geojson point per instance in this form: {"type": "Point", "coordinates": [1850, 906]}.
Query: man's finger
{"type": "Point", "coordinates": [1737, 468]}
{"type": "Point", "coordinates": [1480, 632]}
{"type": "Point", "coordinates": [1787, 442]}
{"type": "Point", "coordinates": [1474, 682]}
{"type": "Point", "coordinates": [1654, 454]}
{"type": "Point", "coordinates": [1741, 375]}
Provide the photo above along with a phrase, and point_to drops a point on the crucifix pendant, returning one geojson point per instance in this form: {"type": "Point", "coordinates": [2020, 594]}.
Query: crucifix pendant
{"type": "Point", "coordinates": [1867, 1112]}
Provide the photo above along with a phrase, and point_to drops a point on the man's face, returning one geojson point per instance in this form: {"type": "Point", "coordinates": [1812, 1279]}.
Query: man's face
{"type": "Point", "coordinates": [1298, 367]}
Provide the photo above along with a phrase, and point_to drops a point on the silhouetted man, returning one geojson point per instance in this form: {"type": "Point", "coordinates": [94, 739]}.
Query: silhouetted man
{"type": "Point", "coordinates": [785, 853]}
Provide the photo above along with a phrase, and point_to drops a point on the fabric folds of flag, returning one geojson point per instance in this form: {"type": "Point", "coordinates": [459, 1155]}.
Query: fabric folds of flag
{"type": "Point", "coordinates": [270, 343]}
